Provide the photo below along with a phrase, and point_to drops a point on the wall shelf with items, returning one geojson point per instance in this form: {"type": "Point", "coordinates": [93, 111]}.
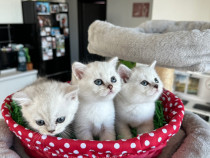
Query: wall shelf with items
{"type": "Point", "coordinates": [51, 55]}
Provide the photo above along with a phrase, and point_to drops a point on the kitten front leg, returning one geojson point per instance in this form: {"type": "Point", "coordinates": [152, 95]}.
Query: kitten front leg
{"type": "Point", "coordinates": [107, 133]}
{"type": "Point", "coordinates": [84, 135]}
{"type": "Point", "coordinates": [83, 132]}
{"type": "Point", "coordinates": [146, 127]}
{"type": "Point", "coordinates": [123, 130]}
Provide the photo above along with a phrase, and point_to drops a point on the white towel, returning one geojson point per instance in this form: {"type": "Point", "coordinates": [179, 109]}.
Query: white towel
{"type": "Point", "coordinates": [180, 45]}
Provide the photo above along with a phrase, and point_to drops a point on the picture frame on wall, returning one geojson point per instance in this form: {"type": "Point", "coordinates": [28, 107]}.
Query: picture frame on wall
{"type": "Point", "coordinates": [193, 84]}
{"type": "Point", "coordinates": [141, 10]}
{"type": "Point", "coordinates": [180, 82]}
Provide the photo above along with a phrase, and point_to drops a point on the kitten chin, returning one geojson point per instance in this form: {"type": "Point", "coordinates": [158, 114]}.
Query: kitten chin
{"type": "Point", "coordinates": [135, 104]}
{"type": "Point", "coordinates": [99, 83]}
{"type": "Point", "coordinates": [48, 106]}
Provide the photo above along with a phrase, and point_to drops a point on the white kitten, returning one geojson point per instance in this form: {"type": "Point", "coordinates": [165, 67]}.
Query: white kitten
{"type": "Point", "coordinates": [135, 104]}
{"type": "Point", "coordinates": [99, 83]}
{"type": "Point", "coordinates": [48, 106]}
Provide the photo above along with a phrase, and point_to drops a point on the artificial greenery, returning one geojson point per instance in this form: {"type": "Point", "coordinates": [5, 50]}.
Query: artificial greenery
{"type": "Point", "coordinates": [159, 119]}
{"type": "Point", "coordinates": [129, 64]}
{"type": "Point", "coordinates": [16, 114]}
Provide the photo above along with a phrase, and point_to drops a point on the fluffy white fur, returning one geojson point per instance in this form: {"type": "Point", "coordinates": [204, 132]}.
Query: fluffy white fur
{"type": "Point", "coordinates": [96, 113]}
{"type": "Point", "coordinates": [135, 104]}
{"type": "Point", "coordinates": [48, 100]}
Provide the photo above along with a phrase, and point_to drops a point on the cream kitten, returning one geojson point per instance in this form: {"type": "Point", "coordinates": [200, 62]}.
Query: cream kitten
{"type": "Point", "coordinates": [99, 83]}
{"type": "Point", "coordinates": [135, 104]}
{"type": "Point", "coordinates": [48, 106]}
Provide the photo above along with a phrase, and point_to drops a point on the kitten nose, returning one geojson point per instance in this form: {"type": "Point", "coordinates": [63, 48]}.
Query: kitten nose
{"type": "Point", "coordinates": [51, 131]}
{"type": "Point", "coordinates": [156, 86]}
{"type": "Point", "coordinates": [110, 86]}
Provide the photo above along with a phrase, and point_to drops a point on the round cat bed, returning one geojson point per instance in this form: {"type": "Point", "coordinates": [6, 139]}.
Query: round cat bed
{"type": "Point", "coordinates": [144, 145]}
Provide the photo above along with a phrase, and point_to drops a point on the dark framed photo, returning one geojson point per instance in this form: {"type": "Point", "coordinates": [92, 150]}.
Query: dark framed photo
{"type": "Point", "coordinates": [180, 82]}
{"type": "Point", "coordinates": [55, 31]}
{"type": "Point", "coordinates": [63, 7]}
{"type": "Point", "coordinates": [43, 8]}
{"type": "Point", "coordinates": [45, 31]}
{"type": "Point", "coordinates": [141, 9]}
{"type": "Point", "coordinates": [63, 18]}
{"type": "Point", "coordinates": [47, 48]}
{"type": "Point", "coordinates": [44, 21]}
{"type": "Point", "coordinates": [193, 84]}
{"type": "Point", "coordinates": [53, 42]}
{"type": "Point", "coordinates": [60, 46]}
{"type": "Point", "coordinates": [54, 8]}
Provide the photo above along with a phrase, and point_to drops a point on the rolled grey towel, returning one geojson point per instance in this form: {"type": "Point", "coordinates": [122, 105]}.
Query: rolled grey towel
{"type": "Point", "coordinates": [180, 45]}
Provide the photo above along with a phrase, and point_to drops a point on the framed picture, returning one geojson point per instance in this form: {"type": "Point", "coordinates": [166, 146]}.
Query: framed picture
{"type": "Point", "coordinates": [180, 82]}
{"type": "Point", "coordinates": [60, 46]}
{"type": "Point", "coordinates": [44, 21]}
{"type": "Point", "coordinates": [63, 18]}
{"type": "Point", "coordinates": [43, 8]}
{"type": "Point", "coordinates": [193, 84]}
{"type": "Point", "coordinates": [54, 8]}
{"type": "Point", "coordinates": [141, 9]}
{"type": "Point", "coordinates": [63, 7]}
{"type": "Point", "coordinates": [45, 31]}
{"type": "Point", "coordinates": [55, 31]}
{"type": "Point", "coordinates": [66, 31]}
{"type": "Point", "coordinates": [53, 42]}
{"type": "Point", "coordinates": [47, 52]}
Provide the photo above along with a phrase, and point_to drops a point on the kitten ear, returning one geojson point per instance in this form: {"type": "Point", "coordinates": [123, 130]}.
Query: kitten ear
{"type": "Point", "coordinates": [113, 61]}
{"type": "Point", "coordinates": [153, 64]}
{"type": "Point", "coordinates": [124, 72]}
{"type": "Point", "coordinates": [78, 70]}
{"type": "Point", "coordinates": [72, 92]}
{"type": "Point", "coordinates": [21, 98]}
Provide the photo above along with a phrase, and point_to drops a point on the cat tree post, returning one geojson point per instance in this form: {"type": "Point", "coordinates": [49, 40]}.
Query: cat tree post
{"type": "Point", "coordinates": [167, 77]}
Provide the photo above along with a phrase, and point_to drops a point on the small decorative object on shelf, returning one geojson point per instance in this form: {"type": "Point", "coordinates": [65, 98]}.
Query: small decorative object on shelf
{"type": "Point", "coordinates": [29, 64]}
{"type": "Point", "coordinates": [21, 60]}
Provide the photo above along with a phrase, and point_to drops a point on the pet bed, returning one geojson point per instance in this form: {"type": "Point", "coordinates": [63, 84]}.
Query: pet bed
{"type": "Point", "coordinates": [145, 145]}
{"type": "Point", "coordinates": [180, 45]}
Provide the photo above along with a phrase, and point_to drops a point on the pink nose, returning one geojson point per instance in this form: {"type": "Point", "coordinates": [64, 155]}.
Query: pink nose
{"type": "Point", "coordinates": [110, 86]}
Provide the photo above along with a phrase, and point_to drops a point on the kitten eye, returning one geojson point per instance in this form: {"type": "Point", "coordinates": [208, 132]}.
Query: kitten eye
{"type": "Point", "coordinates": [98, 82]}
{"type": "Point", "coordinates": [113, 79]}
{"type": "Point", "coordinates": [156, 80]}
{"type": "Point", "coordinates": [40, 122]}
{"type": "Point", "coordinates": [60, 120]}
{"type": "Point", "coordinates": [144, 83]}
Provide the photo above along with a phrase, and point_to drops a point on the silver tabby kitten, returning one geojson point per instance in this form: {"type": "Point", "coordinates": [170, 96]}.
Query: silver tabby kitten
{"type": "Point", "coordinates": [48, 106]}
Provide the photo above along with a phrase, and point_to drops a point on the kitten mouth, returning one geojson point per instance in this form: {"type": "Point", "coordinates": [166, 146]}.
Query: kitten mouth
{"type": "Point", "coordinates": [110, 92]}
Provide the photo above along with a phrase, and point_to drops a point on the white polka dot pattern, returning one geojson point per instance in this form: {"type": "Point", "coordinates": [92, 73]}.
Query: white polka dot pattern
{"type": "Point", "coordinates": [66, 145]}
{"type": "Point", "coordinates": [83, 145]}
{"type": "Point", "coordinates": [116, 145]}
{"type": "Point", "coordinates": [100, 145]}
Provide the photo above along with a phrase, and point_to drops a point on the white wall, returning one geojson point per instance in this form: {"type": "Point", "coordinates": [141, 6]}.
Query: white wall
{"type": "Point", "coordinates": [181, 10]}
{"type": "Point", "coordinates": [11, 11]}
{"type": "Point", "coordinates": [119, 12]}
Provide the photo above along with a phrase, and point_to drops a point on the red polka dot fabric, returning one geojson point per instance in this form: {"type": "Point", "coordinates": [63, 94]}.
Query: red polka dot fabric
{"type": "Point", "coordinates": [144, 145]}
